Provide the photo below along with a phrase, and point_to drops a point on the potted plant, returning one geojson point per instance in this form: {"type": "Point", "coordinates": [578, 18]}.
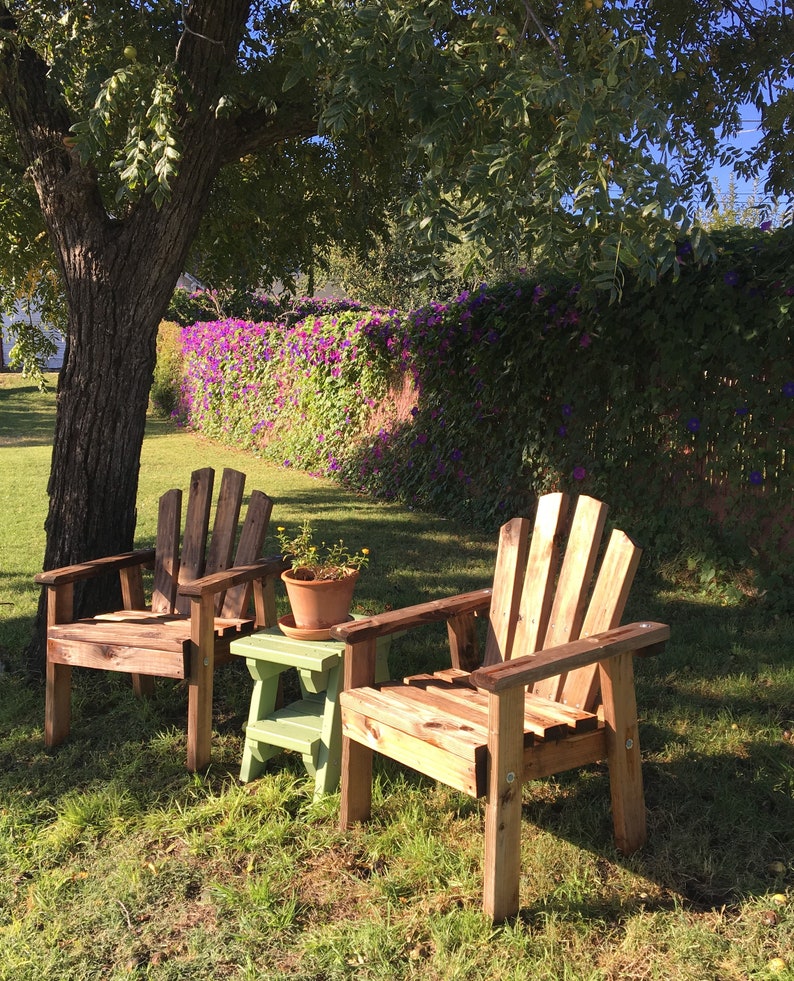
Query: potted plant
{"type": "Point", "coordinates": [320, 583]}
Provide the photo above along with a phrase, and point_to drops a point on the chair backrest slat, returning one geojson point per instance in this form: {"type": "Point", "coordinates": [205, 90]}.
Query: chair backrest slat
{"type": "Point", "coordinates": [172, 569]}
{"type": "Point", "coordinates": [511, 561]}
{"type": "Point", "coordinates": [573, 585]}
{"type": "Point", "coordinates": [542, 568]}
{"type": "Point", "coordinates": [249, 549]}
{"type": "Point", "coordinates": [166, 553]}
{"type": "Point", "coordinates": [224, 529]}
{"type": "Point", "coordinates": [582, 687]}
{"type": "Point", "coordinates": [194, 541]}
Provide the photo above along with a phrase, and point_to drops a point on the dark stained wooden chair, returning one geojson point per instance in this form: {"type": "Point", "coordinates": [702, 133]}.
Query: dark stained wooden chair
{"type": "Point", "coordinates": [554, 691]}
{"type": "Point", "coordinates": [200, 603]}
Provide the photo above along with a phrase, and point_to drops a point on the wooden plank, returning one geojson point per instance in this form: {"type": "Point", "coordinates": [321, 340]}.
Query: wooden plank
{"type": "Point", "coordinates": [546, 759]}
{"type": "Point", "coordinates": [265, 602]}
{"type": "Point", "coordinates": [154, 634]}
{"type": "Point", "coordinates": [199, 693]}
{"type": "Point", "coordinates": [645, 636]}
{"type": "Point", "coordinates": [58, 691]}
{"type": "Point", "coordinates": [361, 732]}
{"type": "Point", "coordinates": [87, 570]}
{"type": "Point", "coordinates": [433, 611]}
{"type": "Point", "coordinates": [575, 720]}
{"type": "Point", "coordinates": [274, 648]}
{"type": "Point", "coordinates": [537, 722]}
{"type": "Point", "coordinates": [453, 675]}
{"type": "Point", "coordinates": [136, 660]}
{"type": "Point", "coordinates": [605, 611]}
{"type": "Point", "coordinates": [166, 552]}
{"type": "Point", "coordinates": [224, 528]}
{"type": "Point", "coordinates": [502, 861]}
{"type": "Point", "coordinates": [249, 550]}
{"type": "Point", "coordinates": [194, 539]}
{"type": "Point", "coordinates": [286, 733]}
{"type": "Point", "coordinates": [511, 560]}
{"type": "Point", "coordinates": [133, 598]}
{"type": "Point", "coordinates": [391, 704]}
{"type": "Point", "coordinates": [132, 588]}
{"type": "Point", "coordinates": [450, 701]}
{"type": "Point", "coordinates": [573, 585]}
{"type": "Point", "coordinates": [463, 642]}
{"type": "Point", "coordinates": [355, 803]}
{"type": "Point", "coordinates": [623, 751]}
{"type": "Point", "coordinates": [173, 622]}
{"type": "Point", "coordinates": [542, 567]}
{"type": "Point", "coordinates": [356, 783]}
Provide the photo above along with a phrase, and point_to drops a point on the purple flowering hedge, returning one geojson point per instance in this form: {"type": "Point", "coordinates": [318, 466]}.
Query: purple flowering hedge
{"type": "Point", "coordinates": [676, 406]}
{"type": "Point", "coordinates": [299, 391]}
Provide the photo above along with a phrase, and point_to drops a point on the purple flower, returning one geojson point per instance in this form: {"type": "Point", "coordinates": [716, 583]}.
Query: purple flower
{"type": "Point", "coordinates": [585, 340]}
{"type": "Point", "coordinates": [756, 477]}
{"type": "Point", "coordinates": [742, 410]}
{"type": "Point", "coordinates": [579, 473]}
{"type": "Point", "coordinates": [731, 278]}
{"type": "Point", "coordinates": [693, 425]}
{"type": "Point", "coordinates": [788, 389]}
{"type": "Point", "coordinates": [562, 430]}
{"type": "Point", "coordinates": [566, 410]}
{"type": "Point", "coordinates": [766, 226]}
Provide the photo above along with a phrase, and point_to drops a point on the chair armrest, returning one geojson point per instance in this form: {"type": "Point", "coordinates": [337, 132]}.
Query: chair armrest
{"type": "Point", "coordinates": [433, 611]}
{"type": "Point", "coordinates": [531, 668]}
{"type": "Point", "coordinates": [236, 576]}
{"type": "Point", "coordinates": [95, 567]}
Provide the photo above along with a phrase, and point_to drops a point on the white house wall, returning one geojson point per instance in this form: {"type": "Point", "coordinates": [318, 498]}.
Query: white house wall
{"type": "Point", "coordinates": [54, 362]}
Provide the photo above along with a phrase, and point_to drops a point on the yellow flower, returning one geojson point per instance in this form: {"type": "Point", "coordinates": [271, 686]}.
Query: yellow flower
{"type": "Point", "coordinates": [365, 551]}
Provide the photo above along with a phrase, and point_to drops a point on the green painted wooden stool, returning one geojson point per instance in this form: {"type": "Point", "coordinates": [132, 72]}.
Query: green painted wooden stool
{"type": "Point", "coordinates": [312, 725]}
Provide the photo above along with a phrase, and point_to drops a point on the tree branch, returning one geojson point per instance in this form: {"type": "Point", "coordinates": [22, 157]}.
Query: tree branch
{"type": "Point", "coordinates": [261, 128]}
{"type": "Point", "coordinates": [41, 121]}
{"type": "Point", "coordinates": [531, 15]}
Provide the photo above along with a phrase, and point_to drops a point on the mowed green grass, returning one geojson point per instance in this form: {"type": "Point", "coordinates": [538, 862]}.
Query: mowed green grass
{"type": "Point", "coordinates": [117, 863]}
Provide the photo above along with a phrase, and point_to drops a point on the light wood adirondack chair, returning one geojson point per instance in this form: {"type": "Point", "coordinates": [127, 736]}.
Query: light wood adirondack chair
{"type": "Point", "coordinates": [200, 601]}
{"type": "Point", "coordinates": [555, 689]}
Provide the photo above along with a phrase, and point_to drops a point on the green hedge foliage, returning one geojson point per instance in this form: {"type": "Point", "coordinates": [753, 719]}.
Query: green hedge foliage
{"type": "Point", "coordinates": [676, 406]}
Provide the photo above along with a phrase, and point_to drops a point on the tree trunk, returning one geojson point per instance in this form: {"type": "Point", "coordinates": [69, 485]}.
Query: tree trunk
{"type": "Point", "coordinates": [119, 268]}
{"type": "Point", "coordinates": [100, 421]}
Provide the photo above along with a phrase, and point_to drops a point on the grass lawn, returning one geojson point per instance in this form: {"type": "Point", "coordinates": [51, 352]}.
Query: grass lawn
{"type": "Point", "coordinates": [117, 863]}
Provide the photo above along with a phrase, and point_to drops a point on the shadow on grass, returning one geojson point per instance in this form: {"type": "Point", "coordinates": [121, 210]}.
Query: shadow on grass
{"type": "Point", "coordinates": [27, 416]}
{"type": "Point", "coordinates": [717, 819]}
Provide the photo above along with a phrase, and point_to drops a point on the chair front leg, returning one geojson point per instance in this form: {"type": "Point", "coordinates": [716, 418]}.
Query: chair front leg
{"type": "Point", "coordinates": [58, 694]}
{"type": "Point", "coordinates": [356, 779]}
{"type": "Point", "coordinates": [202, 664]}
{"type": "Point", "coordinates": [623, 752]}
{"type": "Point", "coordinates": [503, 808]}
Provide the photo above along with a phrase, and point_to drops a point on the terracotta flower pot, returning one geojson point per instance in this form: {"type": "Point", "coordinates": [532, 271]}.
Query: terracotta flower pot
{"type": "Point", "coordinates": [319, 603]}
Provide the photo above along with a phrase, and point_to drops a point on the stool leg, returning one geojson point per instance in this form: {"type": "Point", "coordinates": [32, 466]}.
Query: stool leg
{"type": "Point", "coordinates": [264, 698]}
{"type": "Point", "coordinates": [329, 755]}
